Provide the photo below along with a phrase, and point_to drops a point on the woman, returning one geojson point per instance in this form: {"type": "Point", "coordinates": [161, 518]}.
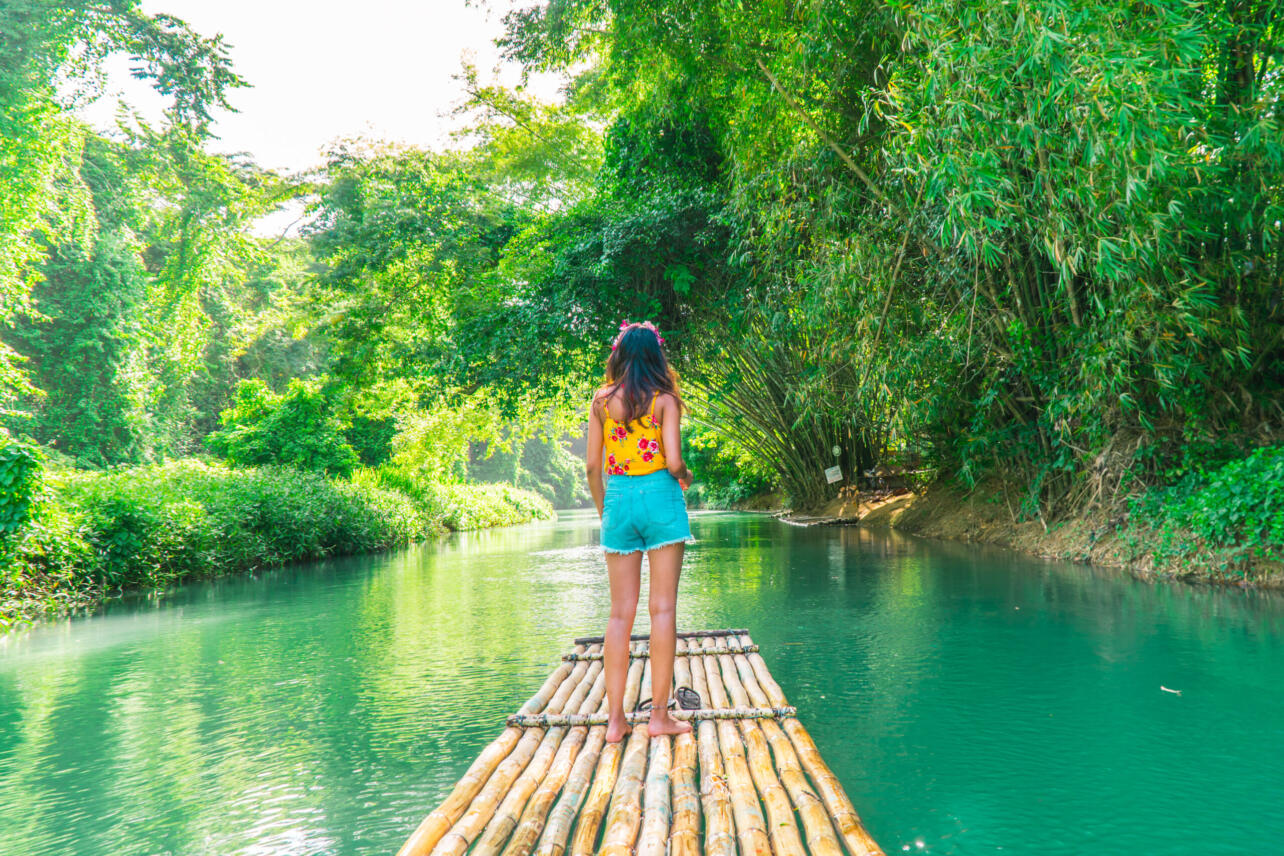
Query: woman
{"type": "Point", "coordinates": [634, 425]}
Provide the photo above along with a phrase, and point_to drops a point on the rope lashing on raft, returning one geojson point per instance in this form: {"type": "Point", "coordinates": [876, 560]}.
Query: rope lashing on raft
{"type": "Point", "coordinates": [552, 720]}
{"type": "Point", "coordinates": [698, 652]}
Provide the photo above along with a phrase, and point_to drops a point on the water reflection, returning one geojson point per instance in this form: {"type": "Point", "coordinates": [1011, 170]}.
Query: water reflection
{"type": "Point", "coordinates": [969, 699]}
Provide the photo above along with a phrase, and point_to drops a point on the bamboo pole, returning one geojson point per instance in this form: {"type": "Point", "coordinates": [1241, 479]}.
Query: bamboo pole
{"type": "Point", "coordinates": [625, 814]}
{"type": "Point", "coordinates": [750, 826]}
{"type": "Point", "coordinates": [841, 811]}
{"type": "Point", "coordinates": [821, 838]}
{"type": "Point", "coordinates": [548, 720]}
{"type": "Point", "coordinates": [785, 840]}
{"type": "Point", "coordinates": [535, 815]}
{"type": "Point", "coordinates": [657, 811]}
{"type": "Point", "coordinates": [684, 837]}
{"type": "Point", "coordinates": [483, 807]}
{"type": "Point", "coordinates": [715, 798]}
{"type": "Point", "coordinates": [557, 828]}
{"type": "Point", "coordinates": [514, 808]}
{"type": "Point", "coordinates": [584, 840]}
{"type": "Point", "coordinates": [506, 816]}
{"type": "Point", "coordinates": [657, 814]}
{"type": "Point", "coordinates": [646, 637]}
{"type": "Point", "coordinates": [439, 820]}
{"type": "Point", "coordinates": [729, 648]}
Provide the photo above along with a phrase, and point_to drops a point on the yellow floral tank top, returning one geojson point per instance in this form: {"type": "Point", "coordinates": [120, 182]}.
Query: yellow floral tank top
{"type": "Point", "coordinates": [633, 449]}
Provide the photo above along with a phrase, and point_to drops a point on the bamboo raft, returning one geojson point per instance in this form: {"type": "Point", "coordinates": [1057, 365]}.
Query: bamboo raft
{"type": "Point", "coordinates": [747, 779]}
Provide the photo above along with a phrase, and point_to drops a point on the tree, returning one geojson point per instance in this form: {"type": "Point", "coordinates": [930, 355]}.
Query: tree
{"type": "Point", "coordinates": [301, 428]}
{"type": "Point", "coordinates": [44, 41]}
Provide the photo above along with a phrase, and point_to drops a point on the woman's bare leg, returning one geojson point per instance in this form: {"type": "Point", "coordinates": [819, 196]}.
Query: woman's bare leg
{"type": "Point", "coordinates": [625, 573]}
{"type": "Point", "coordinates": [666, 564]}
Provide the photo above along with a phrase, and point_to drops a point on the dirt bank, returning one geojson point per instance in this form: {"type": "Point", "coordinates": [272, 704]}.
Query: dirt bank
{"type": "Point", "coordinates": [982, 517]}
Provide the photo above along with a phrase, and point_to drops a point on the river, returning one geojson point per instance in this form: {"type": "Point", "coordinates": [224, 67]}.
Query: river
{"type": "Point", "coordinates": [971, 700]}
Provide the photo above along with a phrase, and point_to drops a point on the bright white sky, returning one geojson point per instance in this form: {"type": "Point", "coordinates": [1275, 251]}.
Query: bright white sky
{"type": "Point", "coordinates": [322, 70]}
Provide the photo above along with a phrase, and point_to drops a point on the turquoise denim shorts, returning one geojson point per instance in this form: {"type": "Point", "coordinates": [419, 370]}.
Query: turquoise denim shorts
{"type": "Point", "coordinates": [643, 513]}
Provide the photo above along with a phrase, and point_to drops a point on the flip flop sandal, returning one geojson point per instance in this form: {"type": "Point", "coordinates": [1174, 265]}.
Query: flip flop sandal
{"type": "Point", "coordinates": [688, 698]}
{"type": "Point", "coordinates": [645, 704]}
{"type": "Point", "coordinates": [683, 696]}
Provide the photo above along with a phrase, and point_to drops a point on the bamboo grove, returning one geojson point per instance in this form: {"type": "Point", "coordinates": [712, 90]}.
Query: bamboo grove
{"type": "Point", "coordinates": [1038, 242]}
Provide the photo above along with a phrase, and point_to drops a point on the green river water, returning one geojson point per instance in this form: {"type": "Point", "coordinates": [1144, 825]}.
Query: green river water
{"type": "Point", "coordinates": [970, 700]}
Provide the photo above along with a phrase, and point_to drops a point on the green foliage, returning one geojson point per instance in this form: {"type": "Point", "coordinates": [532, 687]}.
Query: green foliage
{"type": "Point", "coordinates": [154, 526]}
{"type": "Point", "coordinates": [461, 506]}
{"type": "Point", "coordinates": [1042, 242]}
{"type": "Point", "coordinates": [529, 150]}
{"type": "Point", "coordinates": [1223, 517]}
{"type": "Point", "coordinates": [1108, 264]}
{"type": "Point", "coordinates": [726, 472]}
{"type": "Point", "coordinates": [478, 506]}
{"type": "Point", "coordinates": [148, 294]}
{"type": "Point", "coordinates": [435, 440]}
{"type": "Point", "coordinates": [19, 485]}
{"type": "Point", "coordinates": [86, 359]}
{"type": "Point", "coordinates": [48, 42]}
{"type": "Point", "coordinates": [299, 428]}
{"type": "Point", "coordinates": [371, 437]}
{"type": "Point", "coordinates": [548, 468]}
{"type": "Point", "coordinates": [543, 466]}
{"type": "Point", "coordinates": [409, 238]}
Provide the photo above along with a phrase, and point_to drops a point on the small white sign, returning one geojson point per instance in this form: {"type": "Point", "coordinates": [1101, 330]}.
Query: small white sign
{"type": "Point", "coordinates": [833, 474]}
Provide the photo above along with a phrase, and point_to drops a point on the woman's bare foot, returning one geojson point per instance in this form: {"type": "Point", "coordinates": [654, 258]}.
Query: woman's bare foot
{"type": "Point", "coordinates": [662, 723]}
{"type": "Point", "coordinates": [617, 729]}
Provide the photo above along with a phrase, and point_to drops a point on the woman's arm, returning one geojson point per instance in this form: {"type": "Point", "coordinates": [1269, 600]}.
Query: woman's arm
{"type": "Point", "coordinates": [593, 457]}
{"type": "Point", "coordinates": [671, 434]}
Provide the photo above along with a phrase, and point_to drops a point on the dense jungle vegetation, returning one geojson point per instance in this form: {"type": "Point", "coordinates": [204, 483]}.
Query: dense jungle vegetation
{"type": "Point", "coordinates": [1034, 246]}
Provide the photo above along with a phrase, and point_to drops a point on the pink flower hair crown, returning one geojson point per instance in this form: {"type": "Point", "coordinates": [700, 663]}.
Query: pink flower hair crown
{"type": "Point", "coordinates": [627, 324]}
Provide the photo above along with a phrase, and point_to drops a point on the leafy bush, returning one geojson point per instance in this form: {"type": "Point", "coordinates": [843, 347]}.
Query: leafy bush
{"type": "Point", "coordinates": [154, 526]}
{"type": "Point", "coordinates": [371, 437]}
{"type": "Point", "coordinates": [725, 473]}
{"type": "Point", "coordinates": [19, 479]}
{"type": "Point", "coordinates": [477, 506]}
{"type": "Point", "coordinates": [159, 524]}
{"type": "Point", "coordinates": [551, 470]}
{"type": "Point", "coordinates": [545, 467]}
{"type": "Point", "coordinates": [299, 428]}
{"type": "Point", "coordinates": [1228, 515]}
{"type": "Point", "coordinates": [461, 506]}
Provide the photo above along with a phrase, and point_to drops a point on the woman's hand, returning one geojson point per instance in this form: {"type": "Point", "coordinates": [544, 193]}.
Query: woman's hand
{"type": "Point", "coordinates": [684, 480]}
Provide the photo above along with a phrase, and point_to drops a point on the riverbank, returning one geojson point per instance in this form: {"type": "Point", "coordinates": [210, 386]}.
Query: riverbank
{"type": "Point", "coordinates": [99, 535]}
{"type": "Point", "coordinates": [1145, 546]}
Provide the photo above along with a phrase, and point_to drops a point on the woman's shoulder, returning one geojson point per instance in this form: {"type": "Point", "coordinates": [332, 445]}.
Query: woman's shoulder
{"type": "Point", "coordinates": [667, 402]}
{"type": "Point", "coordinates": [602, 395]}
{"type": "Point", "coordinates": [597, 403]}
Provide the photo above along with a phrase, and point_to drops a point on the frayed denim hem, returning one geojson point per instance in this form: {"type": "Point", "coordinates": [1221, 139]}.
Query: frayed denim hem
{"type": "Point", "coordinates": [690, 539]}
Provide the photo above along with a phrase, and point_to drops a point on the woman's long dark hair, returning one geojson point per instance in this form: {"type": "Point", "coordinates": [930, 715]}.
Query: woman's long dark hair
{"type": "Point", "coordinates": [637, 368]}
